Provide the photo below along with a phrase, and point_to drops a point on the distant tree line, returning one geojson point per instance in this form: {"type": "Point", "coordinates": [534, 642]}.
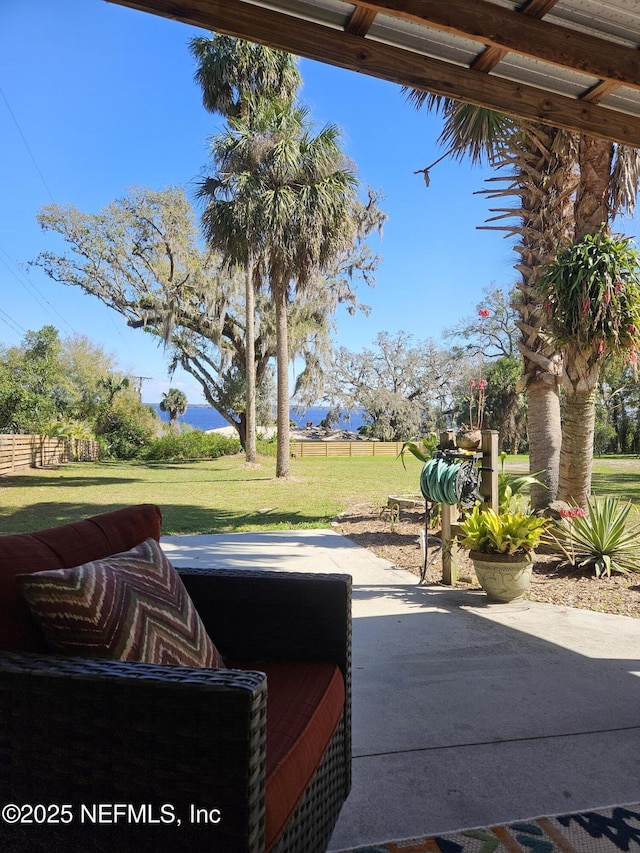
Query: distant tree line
{"type": "Point", "coordinates": [405, 389]}
{"type": "Point", "coordinates": [72, 387]}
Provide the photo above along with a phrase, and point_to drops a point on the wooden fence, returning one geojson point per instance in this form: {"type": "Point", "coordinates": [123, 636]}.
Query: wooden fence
{"type": "Point", "coordinates": [18, 452]}
{"type": "Point", "coordinates": [309, 449]}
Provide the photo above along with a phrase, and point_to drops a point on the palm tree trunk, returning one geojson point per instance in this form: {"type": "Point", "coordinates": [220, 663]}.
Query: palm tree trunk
{"type": "Point", "coordinates": [250, 364]}
{"type": "Point", "coordinates": [576, 457]}
{"type": "Point", "coordinates": [507, 428]}
{"type": "Point", "coordinates": [544, 440]}
{"type": "Point", "coordinates": [582, 369]}
{"type": "Point", "coordinates": [282, 381]}
{"type": "Point", "coordinates": [592, 197]}
{"type": "Point", "coordinates": [543, 165]}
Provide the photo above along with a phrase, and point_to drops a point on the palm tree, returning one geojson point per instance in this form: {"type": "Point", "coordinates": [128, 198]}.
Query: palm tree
{"type": "Point", "coordinates": [608, 184]}
{"type": "Point", "coordinates": [234, 74]}
{"type": "Point", "coordinates": [292, 193]}
{"type": "Point", "coordinates": [541, 174]}
{"type": "Point", "coordinates": [113, 385]}
{"type": "Point", "coordinates": [541, 167]}
{"type": "Point", "coordinates": [231, 72]}
{"type": "Point", "coordinates": [591, 294]}
{"type": "Point", "coordinates": [174, 401]}
{"type": "Point", "coordinates": [573, 186]}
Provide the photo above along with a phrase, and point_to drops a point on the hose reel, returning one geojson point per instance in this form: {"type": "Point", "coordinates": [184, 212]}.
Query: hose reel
{"type": "Point", "coordinates": [450, 478]}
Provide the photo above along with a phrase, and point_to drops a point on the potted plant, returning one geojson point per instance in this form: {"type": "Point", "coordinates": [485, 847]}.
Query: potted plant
{"type": "Point", "coordinates": [469, 436]}
{"type": "Point", "coordinates": [501, 546]}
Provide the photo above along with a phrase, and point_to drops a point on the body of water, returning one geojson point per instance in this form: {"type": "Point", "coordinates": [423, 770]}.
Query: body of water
{"type": "Point", "coordinates": [205, 417]}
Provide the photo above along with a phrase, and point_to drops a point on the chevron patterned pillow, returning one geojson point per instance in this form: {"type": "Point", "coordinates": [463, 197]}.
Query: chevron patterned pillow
{"type": "Point", "coordinates": [131, 606]}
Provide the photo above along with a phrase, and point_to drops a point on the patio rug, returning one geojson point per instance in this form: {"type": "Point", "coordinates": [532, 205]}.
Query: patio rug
{"type": "Point", "coordinates": [605, 831]}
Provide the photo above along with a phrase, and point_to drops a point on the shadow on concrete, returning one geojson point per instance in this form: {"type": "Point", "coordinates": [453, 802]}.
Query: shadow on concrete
{"type": "Point", "coordinates": [467, 713]}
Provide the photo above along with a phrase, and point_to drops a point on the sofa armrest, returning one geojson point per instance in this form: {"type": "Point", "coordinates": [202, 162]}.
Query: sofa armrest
{"type": "Point", "coordinates": [86, 732]}
{"type": "Point", "coordinates": [277, 616]}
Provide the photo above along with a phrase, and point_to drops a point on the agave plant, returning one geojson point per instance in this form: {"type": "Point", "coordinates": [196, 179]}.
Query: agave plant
{"type": "Point", "coordinates": [601, 536]}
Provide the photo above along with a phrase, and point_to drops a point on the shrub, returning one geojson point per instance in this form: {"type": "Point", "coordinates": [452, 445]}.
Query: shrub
{"type": "Point", "coordinates": [511, 486]}
{"type": "Point", "coordinates": [126, 426]}
{"type": "Point", "coordinates": [267, 446]}
{"type": "Point", "coordinates": [194, 444]}
{"type": "Point", "coordinates": [124, 434]}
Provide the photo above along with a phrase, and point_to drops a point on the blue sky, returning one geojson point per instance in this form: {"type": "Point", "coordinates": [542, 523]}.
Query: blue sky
{"type": "Point", "coordinates": [96, 98]}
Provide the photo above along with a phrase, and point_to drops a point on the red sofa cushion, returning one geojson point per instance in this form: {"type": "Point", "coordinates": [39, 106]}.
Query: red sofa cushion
{"type": "Point", "coordinates": [62, 548]}
{"type": "Point", "coordinates": [305, 702]}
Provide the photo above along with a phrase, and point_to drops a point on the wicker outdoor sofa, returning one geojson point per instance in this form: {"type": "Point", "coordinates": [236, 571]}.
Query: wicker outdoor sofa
{"type": "Point", "coordinates": [100, 754]}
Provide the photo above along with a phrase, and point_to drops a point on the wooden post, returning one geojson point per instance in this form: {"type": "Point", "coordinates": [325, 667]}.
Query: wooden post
{"type": "Point", "coordinates": [489, 476]}
{"type": "Point", "coordinates": [488, 491]}
{"type": "Point", "coordinates": [449, 547]}
{"type": "Point", "coordinates": [449, 563]}
{"type": "Point", "coordinates": [447, 440]}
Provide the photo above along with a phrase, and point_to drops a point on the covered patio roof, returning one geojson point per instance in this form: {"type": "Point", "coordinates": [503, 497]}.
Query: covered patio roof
{"type": "Point", "coordinates": [567, 63]}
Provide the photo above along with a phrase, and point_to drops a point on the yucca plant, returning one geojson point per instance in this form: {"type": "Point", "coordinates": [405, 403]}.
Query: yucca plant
{"type": "Point", "coordinates": [602, 537]}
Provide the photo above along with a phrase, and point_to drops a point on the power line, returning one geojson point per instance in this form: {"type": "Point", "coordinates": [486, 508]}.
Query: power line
{"type": "Point", "coordinates": [33, 291]}
{"type": "Point", "coordinates": [26, 145]}
{"type": "Point", "coordinates": [13, 324]}
{"type": "Point", "coordinates": [51, 196]}
{"type": "Point", "coordinates": [36, 294]}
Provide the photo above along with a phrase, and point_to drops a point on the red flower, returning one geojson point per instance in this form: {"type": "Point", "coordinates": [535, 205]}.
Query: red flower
{"type": "Point", "coordinates": [472, 383]}
{"type": "Point", "coordinates": [631, 328]}
{"type": "Point", "coordinates": [484, 313]}
{"type": "Point", "coordinates": [483, 384]}
{"type": "Point", "coordinates": [573, 512]}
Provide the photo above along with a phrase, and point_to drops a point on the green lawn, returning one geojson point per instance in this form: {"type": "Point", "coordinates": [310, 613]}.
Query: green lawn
{"type": "Point", "coordinates": [206, 496]}
{"type": "Point", "coordinates": [224, 495]}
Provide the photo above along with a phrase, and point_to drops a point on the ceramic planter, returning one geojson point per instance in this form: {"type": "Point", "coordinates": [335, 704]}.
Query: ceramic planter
{"type": "Point", "coordinates": [502, 576]}
{"type": "Point", "coordinates": [469, 439]}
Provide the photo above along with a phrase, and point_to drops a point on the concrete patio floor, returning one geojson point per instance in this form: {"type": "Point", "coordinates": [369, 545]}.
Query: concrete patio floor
{"type": "Point", "coordinates": [464, 713]}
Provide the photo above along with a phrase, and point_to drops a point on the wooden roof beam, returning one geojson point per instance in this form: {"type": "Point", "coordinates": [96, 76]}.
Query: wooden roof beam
{"type": "Point", "coordinates": [599, 92]}
{"type": "Point", "coordinates": [360, 21]}
{"type": "Point", "coordinates": [499, 27]}
{"type": "Point", "coordinates": [336, 47]}
{"type": "Point", "coordinates": [491, 56]}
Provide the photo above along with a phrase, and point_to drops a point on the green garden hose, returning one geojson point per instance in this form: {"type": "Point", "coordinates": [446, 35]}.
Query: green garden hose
{"type": "Point", "coordinates": [449, 481]}
{"type": "Point", "coordinates": [438, 481]}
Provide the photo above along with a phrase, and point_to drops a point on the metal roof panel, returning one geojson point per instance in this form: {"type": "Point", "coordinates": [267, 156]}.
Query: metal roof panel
{"type": "Point", "coordinates": [550, 78]}
{"type": "Point", "coordinates": [422, 39]}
